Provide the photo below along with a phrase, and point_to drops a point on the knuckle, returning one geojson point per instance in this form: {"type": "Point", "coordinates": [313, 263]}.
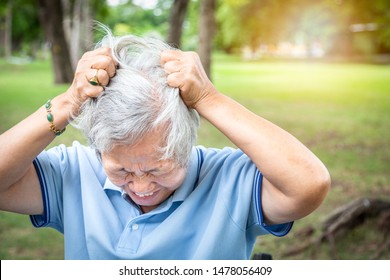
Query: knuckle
{"type": "Point", "coordinates": [102, 49]}
{"type": "Point", "coordinates": [86, 54]}
{"type": "Point", "coordinates": [170, 80]}
{"type": "Point", "coordinates": [79, 86]}
{"type": "Point", "coordinates": [192, 54]}
{"type": "Point", "coordinates": [106, 60]}
{"type": "Point", "coordinates": [189, 76]}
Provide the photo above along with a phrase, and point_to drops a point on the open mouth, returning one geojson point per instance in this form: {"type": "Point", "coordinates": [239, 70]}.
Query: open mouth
{"type": "Point", "coordinates": [144, 194]}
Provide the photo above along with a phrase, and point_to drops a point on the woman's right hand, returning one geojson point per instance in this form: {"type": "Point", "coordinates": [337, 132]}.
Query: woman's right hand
{"type": "Point", "coordinates": [98, 63]}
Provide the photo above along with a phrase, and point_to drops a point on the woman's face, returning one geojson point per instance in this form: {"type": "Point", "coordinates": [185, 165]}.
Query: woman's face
{"type": "Point", "coordinates": [137, 170]}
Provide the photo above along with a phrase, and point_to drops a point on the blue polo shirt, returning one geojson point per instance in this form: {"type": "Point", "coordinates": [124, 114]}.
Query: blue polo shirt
{"type": "Point", "coordinates": [215, 214]}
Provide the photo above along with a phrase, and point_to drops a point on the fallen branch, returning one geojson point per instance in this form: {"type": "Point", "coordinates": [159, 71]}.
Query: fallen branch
{"type": "Point", "coordinates": [343, 220]}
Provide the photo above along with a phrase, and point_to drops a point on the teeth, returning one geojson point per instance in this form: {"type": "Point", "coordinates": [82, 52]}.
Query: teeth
{"type": "Point", "coordinates": [144, 194]}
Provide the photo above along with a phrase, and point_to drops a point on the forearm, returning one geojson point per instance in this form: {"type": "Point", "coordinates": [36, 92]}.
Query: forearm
{"type": "Point", "coordinates": [23, 142]}
{"type": "Point", "coordinates": [283, 160]}
{"type": "Point", "coordinates": [295, 181]}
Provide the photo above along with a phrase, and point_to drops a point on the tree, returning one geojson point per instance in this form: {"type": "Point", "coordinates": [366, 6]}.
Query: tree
{"type": "Point", "coordinates": [229, 37]}
{"type": "Point", "coordinates": [177, 16]}
{"type": "Point", "coordinates": [78, 27]}
{"type": "Point", "coordinates": [371, 20]}
{"type": "Point", "coordinates": [328, 23]}
{"type": "Point", "coordinates": [51, 17]}
{"type": "Point", "coordinates": [206, 33]}
{"type": "Point", "coordinates": [8, 30]}
{"type": "Point", "coordinates": [128, 17]}
{"type": "Point", "coordinates": [20, 31]}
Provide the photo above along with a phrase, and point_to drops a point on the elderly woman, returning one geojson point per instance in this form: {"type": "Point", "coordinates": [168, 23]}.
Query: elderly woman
{"type": "Point", "coordinates": [142, 190]}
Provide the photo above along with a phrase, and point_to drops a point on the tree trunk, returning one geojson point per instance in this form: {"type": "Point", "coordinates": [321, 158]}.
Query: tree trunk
{"type": "Point", "coordinates": [51, 17]}
{"type": "Point", "coordinates": [206, 33]}
{"type": "Point", "coordinates": [77, 27]}
{"type": "Point", "coordinates": [8, 30]}
{"type": "Point", "coordinates": [177, 16]}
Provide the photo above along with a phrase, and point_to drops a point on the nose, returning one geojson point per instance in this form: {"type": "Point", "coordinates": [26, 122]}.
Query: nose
{"type": "Point", "coordinates": [138, 175]}
{"type": "Point", "coordinates": [140, 184]}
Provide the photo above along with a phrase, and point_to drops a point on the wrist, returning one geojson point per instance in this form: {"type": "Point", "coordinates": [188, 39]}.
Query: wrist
{"type": "Point", "coordinates": [58, 112]}
{"type": "Point", "coordinates": [207, 102]}
{"type": "Point", "coordinates": [50, 118]}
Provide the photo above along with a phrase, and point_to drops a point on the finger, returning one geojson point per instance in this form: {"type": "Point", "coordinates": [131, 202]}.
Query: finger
{"type": "Point", "coordinates": [111, 68]}
{"type": "Point", "coordinates": [168, 55]}
{"type": "Point", "coordinates": [92, 92]}
{"type": "Point", "coordinates": [175, 80]}
{"type": "Point", "coordinates": [99, 76]}
{"type": "Point", "coordinates": [173, 66]}
{"type": "Point", "coordinates": [104, 62]}
{"type": "Point", "coordinates": [96, 62]}
{"type": "Point", "coordinates": [104, 77]}
{"type": "Point", "coordinates": [99, 59]}
{"type": "Point", "coordinates": [83, 89]}
{"type": "Point", "coordinates": [99, 51]}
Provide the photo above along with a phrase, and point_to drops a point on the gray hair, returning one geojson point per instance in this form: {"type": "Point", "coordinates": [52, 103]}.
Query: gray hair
{"type": "Point", "coordinates": [138, 100]}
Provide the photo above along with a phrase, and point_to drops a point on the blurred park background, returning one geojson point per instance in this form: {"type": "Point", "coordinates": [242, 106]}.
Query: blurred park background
{"type": "Point", "coordinates": [319, 69]}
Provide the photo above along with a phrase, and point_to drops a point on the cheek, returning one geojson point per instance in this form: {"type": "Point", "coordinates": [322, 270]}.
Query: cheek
{"type": "Point", "coordinates": [173, 182]}
{"type": "Point", "coordinates": [115, 179]}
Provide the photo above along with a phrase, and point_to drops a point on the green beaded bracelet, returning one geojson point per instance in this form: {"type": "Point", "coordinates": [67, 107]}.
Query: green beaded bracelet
{"type": "Point", "coordinates": [50, 118]}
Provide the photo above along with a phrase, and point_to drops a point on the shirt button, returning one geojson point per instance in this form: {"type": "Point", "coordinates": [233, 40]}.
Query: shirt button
{"type": "Point", "coordinates": [134, 227]}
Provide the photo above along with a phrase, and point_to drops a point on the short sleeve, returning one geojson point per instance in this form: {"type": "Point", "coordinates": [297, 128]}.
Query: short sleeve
{"type": "Point", "coordinates": [239, 182]}
{"type": "Point", "coordinates": [278, 229]}
{"type": "Point", "coordinates": [49, 168]}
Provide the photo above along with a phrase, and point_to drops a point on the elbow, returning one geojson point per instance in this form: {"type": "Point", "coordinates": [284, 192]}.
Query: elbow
{"type": "Point", "coordinates": [317, 190]}
{"type": "Point", "coordinates": [312, 194]}
{"type": "Point", "coordinates": [299, 199]}
{"type": "Point", "coordinates": [324, 184]}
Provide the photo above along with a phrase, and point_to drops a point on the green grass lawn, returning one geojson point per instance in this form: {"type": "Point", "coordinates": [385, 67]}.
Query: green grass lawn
{"type": "Point", "coordinates": [340, 111]}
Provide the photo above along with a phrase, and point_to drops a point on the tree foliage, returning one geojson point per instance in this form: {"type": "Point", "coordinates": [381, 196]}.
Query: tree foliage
{"type": "Point", "coordinates": [331, 22]}
{"type": "Point", "coordinates": [26, 33]}
{"type": "Point", "coordinates": [131, 18]}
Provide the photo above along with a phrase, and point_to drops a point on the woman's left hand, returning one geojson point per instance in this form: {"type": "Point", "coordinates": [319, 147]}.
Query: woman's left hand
{"type": "Point", "coordinates": [185, 71]}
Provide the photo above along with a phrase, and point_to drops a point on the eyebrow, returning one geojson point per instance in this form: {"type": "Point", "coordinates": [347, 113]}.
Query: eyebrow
{"type": "Point", "coordinates": [145, 171]}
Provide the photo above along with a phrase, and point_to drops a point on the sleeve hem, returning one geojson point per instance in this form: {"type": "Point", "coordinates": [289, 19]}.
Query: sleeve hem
{"type": "Point", "coordinates": [41, 220]}
{"type": "Point", "coordinates": [277, 230]}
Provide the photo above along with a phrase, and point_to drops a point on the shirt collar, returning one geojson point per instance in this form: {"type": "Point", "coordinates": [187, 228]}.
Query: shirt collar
{"type": "Point", "coordinates": [108, 185]}
{"type": "Point", "coordinates": [191, 179]}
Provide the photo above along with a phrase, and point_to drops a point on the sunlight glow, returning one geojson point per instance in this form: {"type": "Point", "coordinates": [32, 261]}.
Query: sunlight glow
{"type": "Point", "coordinates": [148, 5]}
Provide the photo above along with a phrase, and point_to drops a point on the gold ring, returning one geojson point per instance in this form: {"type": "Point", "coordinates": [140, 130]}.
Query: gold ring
{"type": "Point", "coordinates": [94, 80]}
